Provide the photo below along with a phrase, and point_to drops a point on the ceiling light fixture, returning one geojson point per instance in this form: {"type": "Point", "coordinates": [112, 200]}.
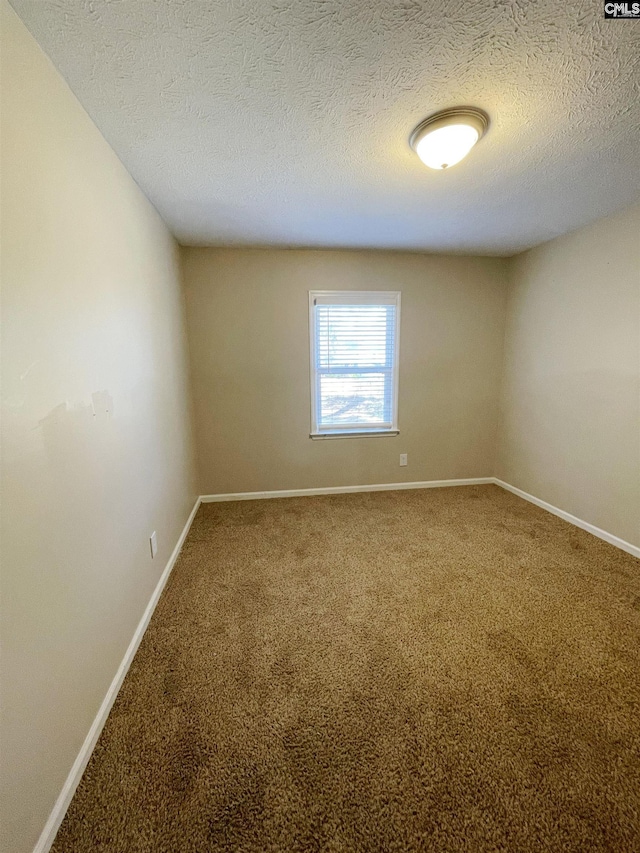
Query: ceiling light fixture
{"type": "Point", "coordinates": [445, 138]}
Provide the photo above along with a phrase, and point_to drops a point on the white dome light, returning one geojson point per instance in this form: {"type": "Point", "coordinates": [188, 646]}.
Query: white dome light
{"type": "Point", "coordinates": [445, 138]}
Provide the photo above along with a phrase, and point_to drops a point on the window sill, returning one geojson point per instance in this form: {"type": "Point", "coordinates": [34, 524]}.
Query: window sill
{"type": "Point", "coordinates": [368, 433]}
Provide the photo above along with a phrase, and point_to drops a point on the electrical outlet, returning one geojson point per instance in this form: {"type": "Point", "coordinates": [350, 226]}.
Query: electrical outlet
{"type": "Point", "coordinates": [403, 459]}
{"type": "Point", "coordinates": [153, 542]}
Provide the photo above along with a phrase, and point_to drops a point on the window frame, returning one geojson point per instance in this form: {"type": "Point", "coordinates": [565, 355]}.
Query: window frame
{"type": "Point", "coordinates": [353, 297]}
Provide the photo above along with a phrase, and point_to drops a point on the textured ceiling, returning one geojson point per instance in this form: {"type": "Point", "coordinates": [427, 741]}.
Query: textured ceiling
{"type": "Point", "coordinates": [286, 121]}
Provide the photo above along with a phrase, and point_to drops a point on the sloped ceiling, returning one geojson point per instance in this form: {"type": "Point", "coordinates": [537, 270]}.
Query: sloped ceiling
{"type": "Point", "coordinates": [286, 121]}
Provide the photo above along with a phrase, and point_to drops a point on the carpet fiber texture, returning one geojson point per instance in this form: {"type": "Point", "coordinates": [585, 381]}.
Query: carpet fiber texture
{"type": "Point", "coordinates": [437, 670]}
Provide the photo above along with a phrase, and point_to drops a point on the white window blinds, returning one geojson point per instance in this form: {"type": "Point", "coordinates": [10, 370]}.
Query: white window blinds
{"type": "Point", "coordinates": [354, 361]}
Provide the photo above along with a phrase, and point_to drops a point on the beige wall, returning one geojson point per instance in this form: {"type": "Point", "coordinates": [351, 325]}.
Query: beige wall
{"type": "Point", "coordinates": [570, 406]}
{"type": "Point", "coordinates": [247, 315]}
{"type": "Point", "coordinates": [96, 444]}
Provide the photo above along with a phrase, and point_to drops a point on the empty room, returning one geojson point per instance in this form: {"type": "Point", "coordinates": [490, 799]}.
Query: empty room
{"type": "Point", "coordinates": [320, 473]}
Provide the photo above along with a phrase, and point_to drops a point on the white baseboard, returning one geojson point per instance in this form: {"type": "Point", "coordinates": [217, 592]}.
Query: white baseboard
{"type": "Point", "coordinates": [344, 490]}
{"type": "Point", "coordinates": [428, 484]}
{"type": "Point", "coordinates": [572, 519]}
{"type": "Point", "coordinates": [71, 783]}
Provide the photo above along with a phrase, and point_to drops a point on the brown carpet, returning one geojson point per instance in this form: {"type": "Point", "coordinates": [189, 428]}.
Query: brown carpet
{"type": "Point", "coordinates": [439, 670]}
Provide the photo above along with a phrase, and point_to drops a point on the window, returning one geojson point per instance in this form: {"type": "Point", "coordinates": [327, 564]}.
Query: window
{"type": "Point", "coordinates": [354, 362]}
